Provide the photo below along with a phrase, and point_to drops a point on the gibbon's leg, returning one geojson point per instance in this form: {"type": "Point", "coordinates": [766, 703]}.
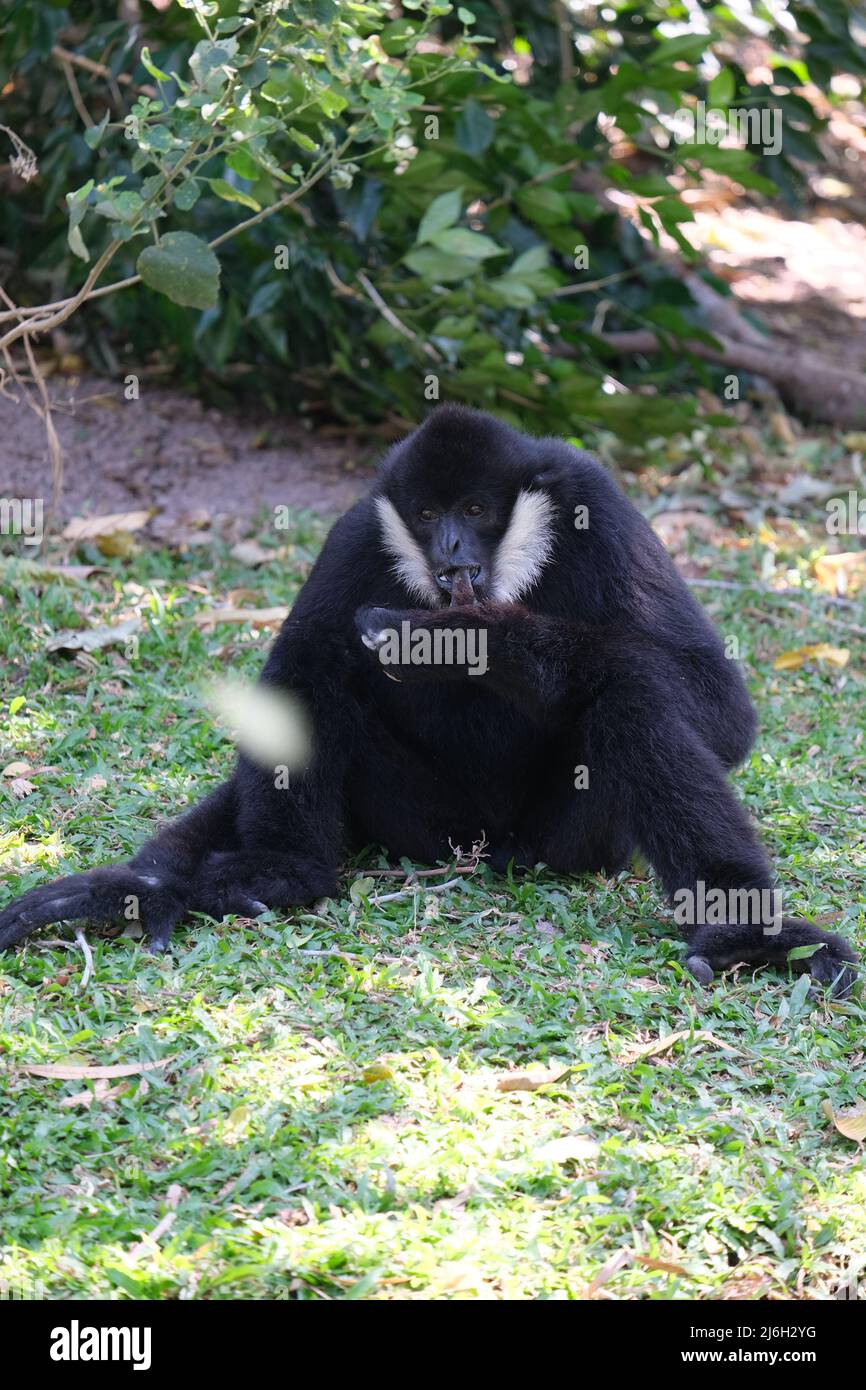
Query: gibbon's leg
{"type": "Point", "coordinates": [564, 827]}
{"type": "Point", "coordinates": [647, 772]}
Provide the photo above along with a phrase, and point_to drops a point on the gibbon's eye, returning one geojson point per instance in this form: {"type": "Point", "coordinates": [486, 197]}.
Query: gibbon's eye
{"type": "Point", "coordinates": [473, 509]}
{"type": "Point", "coordinates": [427, 514]}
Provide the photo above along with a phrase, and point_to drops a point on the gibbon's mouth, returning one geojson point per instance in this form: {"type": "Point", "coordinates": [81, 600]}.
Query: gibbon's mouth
{"type": "Point", "coordinates": [460, 585]}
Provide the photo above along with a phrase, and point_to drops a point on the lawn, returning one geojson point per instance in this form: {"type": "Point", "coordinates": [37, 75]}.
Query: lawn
{"type": "Point", "coordinates": [446, 1094]}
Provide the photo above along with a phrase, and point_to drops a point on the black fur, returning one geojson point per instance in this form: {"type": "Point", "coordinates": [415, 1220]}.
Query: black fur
{"type": "Point", "coordinates": [606, 662]}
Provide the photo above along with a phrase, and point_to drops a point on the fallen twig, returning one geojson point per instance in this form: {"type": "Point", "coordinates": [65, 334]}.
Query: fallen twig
{"type": "Point", "coordinates": [413, 888]}
{"type": "Point", "coordinates": [88, 957]}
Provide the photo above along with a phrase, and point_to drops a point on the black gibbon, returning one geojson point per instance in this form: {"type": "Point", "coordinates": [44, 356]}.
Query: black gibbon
{"type": "Point", "coordinates": [495, 644]}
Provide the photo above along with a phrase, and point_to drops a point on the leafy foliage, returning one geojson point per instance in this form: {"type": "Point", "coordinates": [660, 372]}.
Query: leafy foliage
{"type": "Point", "coordinates": [427, 185]}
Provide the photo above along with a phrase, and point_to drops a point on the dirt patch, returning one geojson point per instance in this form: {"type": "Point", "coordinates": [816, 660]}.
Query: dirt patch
{"type": "Point", "coordinates": [173, 453]}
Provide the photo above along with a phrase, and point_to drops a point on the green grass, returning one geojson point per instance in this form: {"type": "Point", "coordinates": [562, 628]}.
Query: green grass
{"type": "Point", "coordinates": [327, 1120]}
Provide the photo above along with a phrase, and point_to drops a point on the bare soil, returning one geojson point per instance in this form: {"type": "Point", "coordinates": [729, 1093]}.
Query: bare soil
{"type": "Point", "coordinates": [191, 463]}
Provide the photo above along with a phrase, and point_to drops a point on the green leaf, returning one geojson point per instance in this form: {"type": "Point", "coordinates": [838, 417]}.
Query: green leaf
{"type": "Point", "coordinates": [187, 195]}
{"type": "Point", "coordinates": [264, 298]}
{"type": "Point", "coordinates": [150, 66]}
{"type": "Point", "coordinates": [799, 995]}
{"type": "Point", "coordinates": [284, 87]}
{"type": "Point", "coordinates": [242, 162]}
{"type": "Point", "coordinates": [670, 318]}
{"type": "Point", "coordinates": [182, 267]}
{"type": "Point", "coordinates": [331, 102]}
{"type": "Point", "coordinates": [685, 48]}
{"type": "Point", "coordinates": [77, 204]}
{"type": "Point", "coordinates": [454, 326]}
{"type": "Point", "coordinates": [122, 207]}
{"type": "Point", "coordinates": [255, 73]}
{"type": "Point", "coordinates": [474, 130]}
{"type": "Point", "coordinates": [536, 258]}
{"type": "Point", "coordinates": [435, 266]}
{"type": "Point", "coordinates": [360, 890]}
{"type": "Point", "coordinates": [211, 63]}
{"type": "Point", "coordinates": [443, 212]}
{"type": "Point", "coordinates": [805, 952]}
{"type": "Point", "coordinates": [720, 91]}
{"type": "Point", "coordinates": [301, 139]}
{"type": "Point", "coordinates": [510, 291]}
{"type": "Point", "coordinates": [396, 38]}
{"type": "Point", "coordinates": [156, 137]}
{"type": "Point", "coordinates": [223, 189]}
{"type": "Point", "coordinates": [459, 241]}
{"type": "Point", "coordinates": [93, 135]}
{"type": "Point", "coordinates": [543, 205]}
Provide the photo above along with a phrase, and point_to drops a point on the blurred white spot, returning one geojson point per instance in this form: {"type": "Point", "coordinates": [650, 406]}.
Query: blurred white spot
{"type": "Point", "coordinates": [271, 726]}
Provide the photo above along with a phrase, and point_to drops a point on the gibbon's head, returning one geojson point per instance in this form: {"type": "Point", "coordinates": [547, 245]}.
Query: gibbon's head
{"type": "Point", "coordinates": [462, 511]}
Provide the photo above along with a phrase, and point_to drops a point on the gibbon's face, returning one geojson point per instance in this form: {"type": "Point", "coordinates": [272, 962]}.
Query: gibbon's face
{"type": "Point", "coordinates": [456, 513]}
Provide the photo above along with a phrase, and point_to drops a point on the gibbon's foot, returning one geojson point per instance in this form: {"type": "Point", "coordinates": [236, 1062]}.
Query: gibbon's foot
{"type": "Point", "coordinates": [832, 965]}
{"type": "Point", "coordinates": [109, 894]}
{"type": "Point", "coordinates": [242, 884]}
{"type": "Point", "coordinates": [249, 884]}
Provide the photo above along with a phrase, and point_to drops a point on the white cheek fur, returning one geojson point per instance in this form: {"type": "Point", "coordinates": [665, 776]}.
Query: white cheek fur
{"type": "Point", "coordinates": [525, 548]}
{"type": "Point", "coordinates": [409, 565]}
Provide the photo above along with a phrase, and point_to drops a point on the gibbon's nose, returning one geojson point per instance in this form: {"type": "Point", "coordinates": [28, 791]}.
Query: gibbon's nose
{"type": "Point", "coordinates": [449, 548]}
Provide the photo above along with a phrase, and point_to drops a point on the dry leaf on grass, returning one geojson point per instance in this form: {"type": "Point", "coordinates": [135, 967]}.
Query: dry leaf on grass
{"type": "Point", "coordinates": [822, 651]}
{"type": "Point", "coordinates": [665, 1266]}
{"type": "Point", "coordinates": [27, 770]}
{"type": "Point", "coordinates": [532, 1079]}
{"type": "Point", "coordinates": [112, 535]}
{"type": "Point", "coordinates": [376, 1071]}
{"type": "Point", "coordinates": [841, 574]}
{"type": "Point", "coordinates": [63, 1071]}
{"type": "Point", "coordinates": [611, 1267]}
{"type": "Point", "coordinates": [91, 639]}
{"type": "Point", "coordinates": [89, 528]}
{"type": "Point", "coordinates": [101, 1092]}
{"type": "Point", "coordinates": [257, 617]}
{"type": "Point", "coordinates": [659, 1045]}
{"type": "Point", "coordinates": [782, 428]}
{"type": "Point", "coordinates": [252, 553]}
{"type": "Point", "coordinates": [459, 1276]}
{"type": "Point", "coordinates": [20, 787]}
{"type": "Point", "coordinates": [96, 783]}
{"type": "Point", "coordinates": [851, 1122]}
{"type": "Point", "coordinates": [37, 570]}
{"type": "Point", "coordinates": [458, 1202]}
{"type": "Point", "coordinates": [672, 526]}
